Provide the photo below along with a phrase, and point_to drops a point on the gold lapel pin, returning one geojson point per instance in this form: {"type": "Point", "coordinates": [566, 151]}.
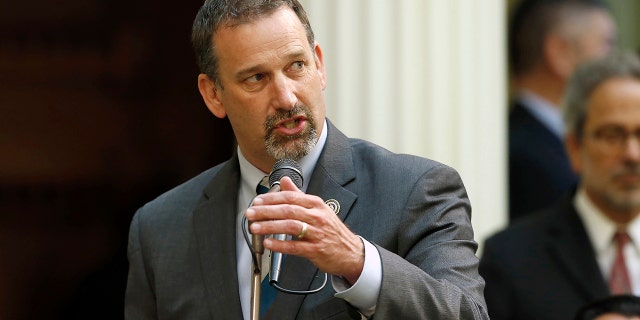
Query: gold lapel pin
{"type": "Point", "coordinates": [334, 205]}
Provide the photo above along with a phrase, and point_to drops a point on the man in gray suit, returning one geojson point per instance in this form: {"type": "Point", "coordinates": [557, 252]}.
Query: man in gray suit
{"type": "Point", "coordinates": [392, 231]}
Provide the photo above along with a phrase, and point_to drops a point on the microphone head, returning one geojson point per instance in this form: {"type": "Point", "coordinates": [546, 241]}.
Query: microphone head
{"type": "Point", "coordinates": [286, 167]}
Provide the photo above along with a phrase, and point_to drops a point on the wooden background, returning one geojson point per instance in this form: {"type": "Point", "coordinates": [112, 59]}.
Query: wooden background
{"type": "Point", "coordinates": [99, 113]}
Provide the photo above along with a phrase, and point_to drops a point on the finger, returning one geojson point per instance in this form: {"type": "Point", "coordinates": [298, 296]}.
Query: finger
{"type": "Point", "coordinates": [289, 226]}
{"type": "Point", "coordinates": [292, 197]}
{"type": "Point", "coordinates": [268, 211]}
{"type": "Point", "coordinates": [303, 230]}
{"type": "Point", "coordinates": [298, 248]}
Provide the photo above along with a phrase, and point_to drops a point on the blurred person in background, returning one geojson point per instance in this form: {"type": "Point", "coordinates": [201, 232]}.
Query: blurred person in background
{"type": "Point", "coordinates": [547, 39]}
{"type": "Point", "coordinates": [620, 307]}
{"type": "Point", "coordinates": [587, 245]}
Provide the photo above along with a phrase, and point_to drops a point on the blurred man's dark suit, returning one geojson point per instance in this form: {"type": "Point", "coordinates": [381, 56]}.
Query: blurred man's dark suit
{"type": "Point", "coordinates": [541, 267]}
{"type": "Point", "coordinates": [539, 169]}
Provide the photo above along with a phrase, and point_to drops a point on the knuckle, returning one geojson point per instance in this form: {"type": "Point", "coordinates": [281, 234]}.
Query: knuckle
{"type": "Point", "coordinates": [290, 196]}
{"type": "Point", "coordinates": [293, 225]}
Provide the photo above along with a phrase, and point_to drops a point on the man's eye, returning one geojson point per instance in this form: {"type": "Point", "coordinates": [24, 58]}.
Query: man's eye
{"type": "Point", "coordinates": [612, 134]}
{"type": "Point", "coordinates": [297, 65]}
{"type": "Point", "coordinates": [255, 78]}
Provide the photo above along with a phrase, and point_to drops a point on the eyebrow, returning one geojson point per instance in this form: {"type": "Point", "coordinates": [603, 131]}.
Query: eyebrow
{"type": "Point", "coordinates": [243, 73]}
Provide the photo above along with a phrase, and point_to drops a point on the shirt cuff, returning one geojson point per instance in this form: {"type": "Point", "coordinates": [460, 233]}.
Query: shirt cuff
{"type": "Point", "coordinates": [364, 293]}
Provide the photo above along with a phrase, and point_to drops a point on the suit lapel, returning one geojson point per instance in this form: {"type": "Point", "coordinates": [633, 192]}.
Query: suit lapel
{"type": "Point", "coordinates": [334, 170]}
{"type": "Point", "coordinates": [570, 246]}
{"type": "Point", "coordinates": [212, 219]}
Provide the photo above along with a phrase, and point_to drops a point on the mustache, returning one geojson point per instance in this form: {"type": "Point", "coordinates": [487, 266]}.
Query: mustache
{"type": "Point", "coordinates": [629, 169]}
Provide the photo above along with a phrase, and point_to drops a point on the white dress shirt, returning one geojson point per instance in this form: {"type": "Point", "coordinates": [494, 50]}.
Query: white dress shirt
{"type": "Point", "coordinates": [362, 295]}
{"type": "Point", "coordinates": [601, 230]}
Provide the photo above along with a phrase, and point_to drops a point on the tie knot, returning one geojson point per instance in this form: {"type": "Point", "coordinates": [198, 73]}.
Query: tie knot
{"type": "Point", "coordinates": [621, 237]}
{"type": "Point", "coordinates": [263, 186]}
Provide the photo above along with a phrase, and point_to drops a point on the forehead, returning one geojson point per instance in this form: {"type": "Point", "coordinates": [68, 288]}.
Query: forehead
{"type": "Point", "coordinates": [277, 33]}
{"type": "Point", "coordinates": [598, 29]}
{"type": "Point", "coordinates": [615, 101]}
{"type": "Point", "coordinates": [598, 20]}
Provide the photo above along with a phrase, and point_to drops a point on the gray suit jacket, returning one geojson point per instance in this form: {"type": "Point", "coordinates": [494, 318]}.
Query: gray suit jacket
{"type": "Point", "coordinates": [183, 258]}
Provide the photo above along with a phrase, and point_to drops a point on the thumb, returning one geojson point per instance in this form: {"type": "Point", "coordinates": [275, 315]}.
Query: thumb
{"type": "Point", "coordinates": [286, 184]}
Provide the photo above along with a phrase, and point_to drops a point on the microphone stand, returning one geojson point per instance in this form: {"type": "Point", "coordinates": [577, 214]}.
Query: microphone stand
{"type": "Point", "coordinates": [255, 293]}
{"type": "Point", "coordinates": [256, 278]}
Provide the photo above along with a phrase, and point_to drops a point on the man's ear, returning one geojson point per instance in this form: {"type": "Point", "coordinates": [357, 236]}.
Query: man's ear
{"type": "Point", "coordinates": [319, 60]}
{"type": "Point", "coordinates": [209, 93]}
{"type": "Point", "coordinates": [560, 56]}
{"type": "Point", "coordinates": [573, 145]}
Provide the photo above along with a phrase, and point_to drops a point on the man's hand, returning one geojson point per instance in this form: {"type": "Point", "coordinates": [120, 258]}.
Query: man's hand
{"type": "Point", "coordinates": [327, 242]}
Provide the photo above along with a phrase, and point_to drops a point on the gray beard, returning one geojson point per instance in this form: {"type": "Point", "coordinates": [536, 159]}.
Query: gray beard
{"type": "Point", "coordinates": [291, 147]}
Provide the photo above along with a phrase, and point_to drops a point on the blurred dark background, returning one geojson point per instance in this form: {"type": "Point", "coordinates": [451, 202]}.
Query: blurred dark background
{"type": "Point", "coordinates": [99, 113]}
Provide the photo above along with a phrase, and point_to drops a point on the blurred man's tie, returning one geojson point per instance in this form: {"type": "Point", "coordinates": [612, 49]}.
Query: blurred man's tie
{"type": "Point", "coordinates": [619, 280]}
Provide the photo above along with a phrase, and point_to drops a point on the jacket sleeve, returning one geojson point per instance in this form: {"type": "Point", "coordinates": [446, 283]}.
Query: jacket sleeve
{"type": "Point", "coordinates": [140, 302]}
{"type": "Point", "coordinates": [434, 274]}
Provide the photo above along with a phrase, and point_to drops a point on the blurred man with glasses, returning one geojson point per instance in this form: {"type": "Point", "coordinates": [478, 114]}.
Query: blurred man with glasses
{"type": "Point", "coordinates": [587, 246]}
{"type": "Point", "coordinates": [547, 39]}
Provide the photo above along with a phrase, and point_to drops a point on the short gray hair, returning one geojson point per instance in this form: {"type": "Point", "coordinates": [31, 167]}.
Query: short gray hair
{"type": "Point", "coordinates": [215, 13]}
{"type": "Point", "coordinates": [587, 77]}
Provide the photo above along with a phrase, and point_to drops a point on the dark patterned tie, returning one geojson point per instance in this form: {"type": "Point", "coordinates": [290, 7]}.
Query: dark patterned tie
{"type": "Point", "coordinates": [619, 281]}
{"type": "Point", "coordinates": [267, 292]}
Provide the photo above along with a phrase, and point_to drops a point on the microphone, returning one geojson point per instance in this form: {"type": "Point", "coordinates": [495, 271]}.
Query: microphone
{"type": "Point", "coordinates": [285, 168]}
{"type": "Point", "coordinates": [282, 168]}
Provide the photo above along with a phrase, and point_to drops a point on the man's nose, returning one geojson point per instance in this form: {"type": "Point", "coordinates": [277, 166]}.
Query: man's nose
{"type": "Point", "coordinates": [632, 148]}
{"type": "Point", "coordinates": [283, 93]}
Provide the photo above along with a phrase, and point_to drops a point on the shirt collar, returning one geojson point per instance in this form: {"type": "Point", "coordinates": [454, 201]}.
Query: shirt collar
{"type": "Point", "coordinates": [544, 111]}
{"type": "Point", "coordinates": [634, 232]}
{"type": "Point", "coordinates": [251, 175]}
{"type": "Point", "coordinates": [600, 228]}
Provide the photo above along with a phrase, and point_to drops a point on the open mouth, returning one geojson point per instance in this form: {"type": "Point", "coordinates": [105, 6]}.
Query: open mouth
{"type": "Point", "coordinates": [291, 122]}
{"type": "Point", "coordinates": [291, 126]}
